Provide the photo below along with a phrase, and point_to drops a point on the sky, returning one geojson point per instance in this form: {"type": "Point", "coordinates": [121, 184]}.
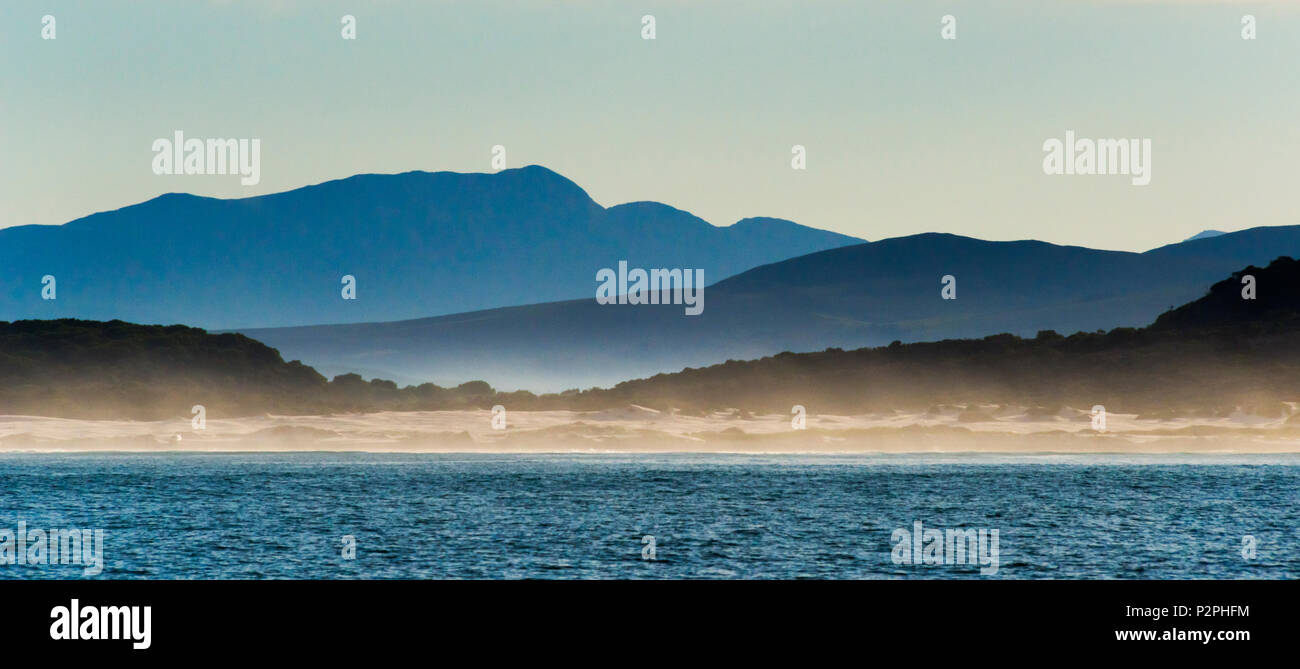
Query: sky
{"type": "Point", "coordinates": [905, 132]}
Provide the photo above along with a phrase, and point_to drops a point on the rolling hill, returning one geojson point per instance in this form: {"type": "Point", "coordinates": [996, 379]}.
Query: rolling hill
{"type": "Point", "coordinates": [1213, 356]}
{"type": "Point", "coordinates": [862, 295]}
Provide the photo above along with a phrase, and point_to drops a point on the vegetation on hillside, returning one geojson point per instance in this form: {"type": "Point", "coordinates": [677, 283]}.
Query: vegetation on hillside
{"type": "Point", "coordinates": [1212, 355]}
{"type": "Point", "coordinates": [118, 370]}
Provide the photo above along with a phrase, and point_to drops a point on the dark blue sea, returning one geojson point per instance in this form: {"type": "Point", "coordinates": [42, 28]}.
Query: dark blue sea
{"type": "Point", "coordinates": [284, 515]}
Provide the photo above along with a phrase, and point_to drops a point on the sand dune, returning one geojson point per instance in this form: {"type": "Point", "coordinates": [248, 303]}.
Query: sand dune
{"type": "Point", "coordinates": [638, 429]}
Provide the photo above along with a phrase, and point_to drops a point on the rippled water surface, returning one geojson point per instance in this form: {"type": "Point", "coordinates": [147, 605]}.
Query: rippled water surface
{"type": "Point", "coordinates": [283, 515]}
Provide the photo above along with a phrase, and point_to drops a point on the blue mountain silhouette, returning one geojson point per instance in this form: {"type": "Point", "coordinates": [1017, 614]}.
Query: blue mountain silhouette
{"type": "Point", "coordinates": [418, 243]}
{"type": "Point", "coordinates": [863, 295]}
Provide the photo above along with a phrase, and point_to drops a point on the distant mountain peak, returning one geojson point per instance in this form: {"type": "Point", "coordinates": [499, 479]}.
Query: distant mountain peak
{"type": "Point", "coordinates": [1205, 234]}
{"type": "Point", "coordinates": [760, 222]}
{"type": "Point", "coordinates": [647, 207]}
{"type": "Point", "coordinates": [534, 174]}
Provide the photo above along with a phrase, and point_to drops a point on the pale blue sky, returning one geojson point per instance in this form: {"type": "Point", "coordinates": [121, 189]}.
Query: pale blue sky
{"type": "Point", "coordinates": [905, 132]}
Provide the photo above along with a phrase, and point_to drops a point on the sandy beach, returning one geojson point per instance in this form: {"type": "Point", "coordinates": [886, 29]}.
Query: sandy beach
{"type": "Point", "coordinates": [638, 429]}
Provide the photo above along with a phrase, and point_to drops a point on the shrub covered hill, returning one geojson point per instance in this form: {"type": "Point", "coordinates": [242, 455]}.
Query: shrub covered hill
{"type": "Point", "coordinates": [1217, 353]}
{"type": "Point", "coordinates": [1214, 354]}
{"type": "Point", "coordinates": [117, 370]}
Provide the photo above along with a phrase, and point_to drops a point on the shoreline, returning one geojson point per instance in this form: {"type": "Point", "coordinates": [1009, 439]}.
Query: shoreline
{"type": "Point", "coordinates": [634, 429]}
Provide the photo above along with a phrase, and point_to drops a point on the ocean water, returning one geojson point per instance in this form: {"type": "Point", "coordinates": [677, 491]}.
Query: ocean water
{"type": "Point", "coordinates": [417, 516]}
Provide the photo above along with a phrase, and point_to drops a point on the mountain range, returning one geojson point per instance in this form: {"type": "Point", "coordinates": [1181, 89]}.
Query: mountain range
{"type": "Point", "coordinates": [1214, 356]}
{"type": "Point", "coordinates": [418, 244]}
{"type": "Point", "coordinates": [493, 276]}
{"type": "Point", "coordinates": [868, 294]}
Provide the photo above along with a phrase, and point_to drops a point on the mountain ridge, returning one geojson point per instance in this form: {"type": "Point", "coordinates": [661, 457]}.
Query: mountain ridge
{"type": "Point", "coordinates": [418, 243]}
{"type": "Point", "coordinates": [1216, 355]}
{"type": "Point", "coordinates": [849, 297]}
